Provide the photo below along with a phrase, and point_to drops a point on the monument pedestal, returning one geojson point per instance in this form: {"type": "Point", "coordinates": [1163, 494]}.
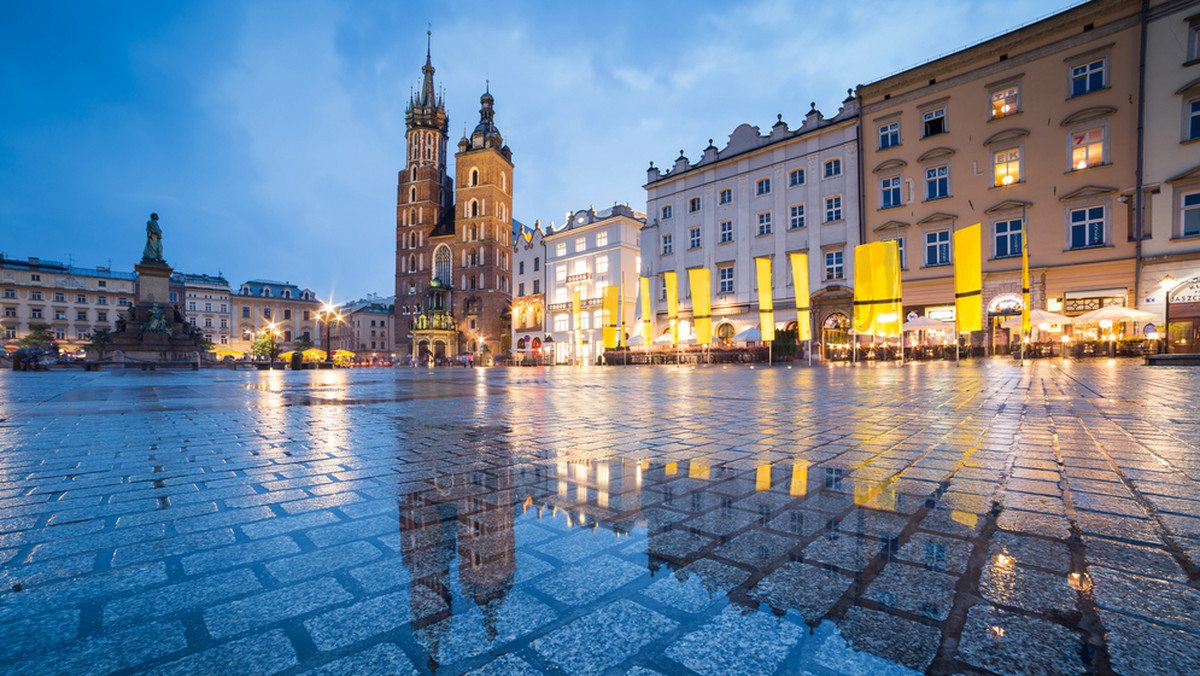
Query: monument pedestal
{"type": "Point", "coordinates": [155, 329]}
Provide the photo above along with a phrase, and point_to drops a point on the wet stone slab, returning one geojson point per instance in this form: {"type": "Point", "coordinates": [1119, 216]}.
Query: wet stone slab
{"type": "Point", "coordinates": [685, 520]}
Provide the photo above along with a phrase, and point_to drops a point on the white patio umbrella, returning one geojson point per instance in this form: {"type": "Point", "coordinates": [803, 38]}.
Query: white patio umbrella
{"type": "Point", "coordinates": [1115, 313]}
{"type": "Point", "coordinates": [925, 324]}
{"type": "Point", "coordinates": [1038, 317]}
{"type": "Point", "coordinates": [636, 340]}
{"type": "Point", "coordinates": [752, 334]}
{"type": "Point", "coordinates": [664, 339]}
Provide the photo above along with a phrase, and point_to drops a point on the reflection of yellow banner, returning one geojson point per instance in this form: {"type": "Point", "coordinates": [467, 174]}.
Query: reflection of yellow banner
{"type": "Point", "coordinates": [877, 309]}
{"type": "Point", "coordinates": [698, 470]}
{"type": "Point", "coordinates": [576, 305]}
{"type": "Point", "coordinates": [611, 303]}
{"type": "Point", "coordinates": [762, 478]}
{"type": "Point", "coordinates": [701, 285]}
{"type": "Point", "coordinates": [800, 281]}
{"type": "Point", "coordinates": [647, 319]}
{"type": "Point", "coordinates": [766, 307]}
{"type": "Point", "coordinates": [671, 279]}
{"type": "Point", "coordinates": [1025, 306]}
{"type": "Point", "coordinates": [968, 278]}
{"type": "Point", "coordinates": [799, 485]}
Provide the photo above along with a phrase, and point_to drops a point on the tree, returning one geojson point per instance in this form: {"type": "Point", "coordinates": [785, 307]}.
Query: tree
{"type": "Point", "coordinates": [302, 343]}
{"type": "Point", "coordinates": [39, 336]}
{"type": "Point", "coordinates": [98, 342]}
{"type": "Point", "coordinates": [265, 345]}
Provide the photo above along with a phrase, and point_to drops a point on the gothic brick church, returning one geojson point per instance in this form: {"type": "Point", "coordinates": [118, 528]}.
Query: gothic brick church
{"type": "Point", "coordinates": [453, 236]}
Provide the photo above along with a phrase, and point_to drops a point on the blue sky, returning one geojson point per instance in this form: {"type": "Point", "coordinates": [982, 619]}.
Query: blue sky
{"type": "Point", "coordinates": [268, 135]}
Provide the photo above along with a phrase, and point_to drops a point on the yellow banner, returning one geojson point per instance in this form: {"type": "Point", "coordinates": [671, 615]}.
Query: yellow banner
{"type": "Point", "coordinates": [671, 279]}
{"type": "Point", "coordinates": [701, 285]}
{"type": "Point", "coordinates": [766, 306]}
{"type": "Point", "coordinates": [1025, 306]}
{"type": "Point", "coordinates": [647, 319]}
{"type": "Point", "coordinates": [576, 304]}
{"type": "Point", "coordinates": [800, 282]}
{"type": "Point", "coordinates": [877, 307]}
{"type": "Point", "coordinates": [612, 299]}
{"type": "Point", "coordinates": [621, 316]}
{"type": "Point", "coordinates": [968, 278]}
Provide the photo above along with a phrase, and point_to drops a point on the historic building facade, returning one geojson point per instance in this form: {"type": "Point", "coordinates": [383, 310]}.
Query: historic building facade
{"type": "Point", "coordinates": [366, 328]}
{"type": "Point", "coordinates": [1032, 134]}
{"type": "Point", "coordinates": [205, 299]}
{"type": "Point", "coordinates": [529, 295]}
{"type": "Point", "coordinates": [589, 252]}
{"type": "Point", "coordinates": [460, 236]}
{"type": "Point", "coordinates": [762, 195]}
{"type": "Point", "coordinates": [284, 308]}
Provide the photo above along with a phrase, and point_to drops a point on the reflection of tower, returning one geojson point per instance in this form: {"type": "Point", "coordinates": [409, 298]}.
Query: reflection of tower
{"type": "Point", "coordinates": [486, 544]}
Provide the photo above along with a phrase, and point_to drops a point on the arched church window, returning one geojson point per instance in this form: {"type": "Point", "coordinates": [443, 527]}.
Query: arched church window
{"type": "Point", "coordinates": [474, 177]}
{"type": "Point", "coordinates": [414, 173]}
{"type": "Point", "coordinates": [412, 194]}
{"type": "Point", "coordinates": [442, 265]}
{"type": "Point", "coordinates": [474, 210]}
{"type": "Point", "coordinates": [412, 263]}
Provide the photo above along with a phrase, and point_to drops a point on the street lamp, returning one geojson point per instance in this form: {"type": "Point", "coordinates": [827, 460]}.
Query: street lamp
{"type": "Point", "coordinates": [274, 351]}
{"type": "Point", "coordinates": [329, 313]}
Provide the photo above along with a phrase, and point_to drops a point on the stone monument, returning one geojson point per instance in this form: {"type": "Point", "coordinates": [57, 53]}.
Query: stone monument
{"type": "Point", "coordinates": [155, 329]}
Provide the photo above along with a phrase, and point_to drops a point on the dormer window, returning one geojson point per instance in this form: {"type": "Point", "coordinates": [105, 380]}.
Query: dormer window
{"type": "Point", "coordinates": [245, 291]}
{"type": "Point", "coordinates": [266, 292]}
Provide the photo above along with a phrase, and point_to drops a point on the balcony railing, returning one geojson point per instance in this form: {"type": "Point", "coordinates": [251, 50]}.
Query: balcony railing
{"type": "Point", "coordinates": [586, 302]}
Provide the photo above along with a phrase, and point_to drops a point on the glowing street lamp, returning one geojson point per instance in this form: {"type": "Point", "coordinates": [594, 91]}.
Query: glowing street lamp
{"type": "Point", "coordinates": [329, 313]}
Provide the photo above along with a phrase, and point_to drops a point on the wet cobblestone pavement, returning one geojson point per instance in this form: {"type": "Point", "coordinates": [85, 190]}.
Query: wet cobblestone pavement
{"type": "Point", "coordinates": [870, 520]}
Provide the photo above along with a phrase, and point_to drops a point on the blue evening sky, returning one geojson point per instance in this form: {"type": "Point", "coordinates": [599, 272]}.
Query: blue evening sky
{"type": "Point", "coordinates": [268, 134]}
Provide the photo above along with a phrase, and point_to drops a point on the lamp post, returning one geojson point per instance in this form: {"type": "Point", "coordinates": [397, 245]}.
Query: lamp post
{"type": "Point", "coordinates": [329, 313]}
{"type": "Point", "coordinates": [1167, 284]}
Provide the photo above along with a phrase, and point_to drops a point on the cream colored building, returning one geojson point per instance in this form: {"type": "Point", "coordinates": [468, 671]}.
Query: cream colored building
{"type": "Point", "coordinates": [529, 293]}
{"type": "Point", "coordinates": [1032, 134]}
{"type": "Point", "coordinates": [1171, 247]}
{"type": "Point", "coordinates": [290, 311]}
{"type": "Point", "coordinates": [207, 305]}
{"type": "Point", "coordinates": [366, 328]}
{"type": "Point", "coordinates": [72, 301]}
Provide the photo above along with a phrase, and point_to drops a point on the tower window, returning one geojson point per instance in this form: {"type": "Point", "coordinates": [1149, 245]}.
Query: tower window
{"type": "Point", "coordinates": [474, 177]}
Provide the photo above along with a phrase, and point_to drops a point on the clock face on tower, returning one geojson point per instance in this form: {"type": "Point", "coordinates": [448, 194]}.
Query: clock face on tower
{"type": "Point", "coordinates": [581, 219]}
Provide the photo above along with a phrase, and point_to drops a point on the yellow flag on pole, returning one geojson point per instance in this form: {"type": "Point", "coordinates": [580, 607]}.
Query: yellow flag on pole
{"type": "Point", "coordinates": [1025, 305]}
{"type": "Point", "coordinates": [877, 306]}
{"type": "Point", "coordinates": [612, 300]}
{"type": "Point", "coordinates": [766, 306]}
{"type": "Point", "coordinates": [672, 281]}
{"type": "Point", "coordinates": [577, 334]}
{"type": "Point", "coordinates": [800, 283]}
{"type": "Point", "coordinates": [968, 278]}
{"type": "Point", "coordinates": [647, 319]}
{"type": "Point", "coordinates": [621, 316]}
{"type": "Point", "coordinates": [701, 285]}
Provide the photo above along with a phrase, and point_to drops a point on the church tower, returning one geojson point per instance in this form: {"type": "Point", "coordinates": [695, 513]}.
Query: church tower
{"type": "Point", "coordinates": [423, 202]}
{"type": "Point", "coordinates": [483, 238]}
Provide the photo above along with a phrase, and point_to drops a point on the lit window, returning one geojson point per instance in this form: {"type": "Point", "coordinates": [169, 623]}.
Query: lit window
{"type": "Point", "coordinates": [725, 279]}
{"type": "Point", "coordinates": [1087, 148]}
{"type": "Point", "coordinates": [1190, 218]}
{"type": "Point", "coordinates": [725, 197]}
{"type": "Point", "coordinates": [764, 223]}
{"type": "Point", "coordinates": [833, 209]}
{"type": "Point", "coordinates": [1005, 101]}
{"type": "Point", "coordinates": [726, 231]}
{"type": "Point", "coordinates": [934, 122]}
{"type": "Point", "coordinates": [601, 265]}
{"type": "Point", "coordinates": [1088, 77]}
{"type": "Point", "coordinates": [937, 182]}
{"type": "Point", "coordinates": [667, 244]}
{"type": "Point", "coordinates": [890, 192]}
{"type": "Point", "coordinates": [602, 238]}
{"type": "Point", "coordinates": [560, 249]}
{"type": "Point", "coordinates": [889, 135]}
{"type": "Point", "coordinates": [560, 273]}
{"type": "Point", "coordinates": [666, 212]}
{"type": "Point", "coordinates": [694, 238]}
{"type": "Point", "coordinates": [694, 205]}
{"type": "Point", "coordinates": [833, 168]}
{"type": "Point", "coordinates": [834, 265]}
{"type": "Point", "coordinates": [796, 177]}
{"type": "Point", "coordinates": [562, 323]}
{"type": "Point", "coordinates": [1087, 227]}
{"type": "Point", "coordinates": [580, 244]}
{"type": "Point", "coordinates": [763, 186]}
{"type": "Point", "coordinates": [1007, 166]}
{"type": "Point", "coordinates": [937, 248]}
{"type": "Point", "coordinates": [797, 216]}
{"type": "Point", "coordinates": [1009, 238]}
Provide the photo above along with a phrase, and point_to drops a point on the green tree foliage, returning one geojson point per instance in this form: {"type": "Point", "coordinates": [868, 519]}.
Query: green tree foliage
{"type": "Point", "coordinates": [265, 346]}
{"type": "Point", "coordinates": [98, 342]}
{"type": "Point", "coordinates": [302, 343]}
{"type": "Point", "coordinates": [39, 336]}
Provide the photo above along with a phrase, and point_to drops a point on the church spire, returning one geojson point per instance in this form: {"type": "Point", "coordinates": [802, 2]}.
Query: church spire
{"type": "Point", "coordinates": [427, 110]}
{"type": "Point", "coordinates": [428, 95]}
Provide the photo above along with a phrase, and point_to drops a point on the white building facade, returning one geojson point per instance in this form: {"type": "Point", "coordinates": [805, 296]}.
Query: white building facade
{"type": "Point", "coordinates": [591, 251]}
{"type": "Point", "coordinates": [207, 305]}
{"type": "Point", "coordinates": [529, 294]}
{"type": "Point", "coordinates": [763, 195]}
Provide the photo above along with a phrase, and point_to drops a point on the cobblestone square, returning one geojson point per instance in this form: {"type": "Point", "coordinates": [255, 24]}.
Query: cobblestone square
{"type": "Point", "coordinates": [993, 518]}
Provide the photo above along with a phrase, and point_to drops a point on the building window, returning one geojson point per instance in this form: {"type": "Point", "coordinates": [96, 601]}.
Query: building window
{"type": "Point", "coordinates": [266, 313]}
{"type": "Point", "coordinates": [833, 168]}
{"type": "Point", "coordinates": [725, 196]}
{"type": "Point", "coordinates": [900, 249]}
{"type": "Point", "coordinates": [520, 289]}
{"type": "Point", "coordinates": [60, 297]}
{"type": "Point", "coordinates": [537, 264]}
{"type": "Point", "coordinates": [796, 177]}
{"type": "Point", "coordinates": [101, 300]}
{"type": "Point", "coordinates": [1006, 166]}
{"type": "Point", "coordinates": [560, 249]}
{"type": "Point", "coordinates": [537, 286]}
{"type": "Point", "coordinates": [725, 279]}
{"type": "Point", "coordinates": [764, 223]}
{"type": "Point", "coordinates": [246, 311]}
{"type": "Point", "coordinates": [520, 267]}
{"type": "Point", "coordinates": [934, 122]}
{"type": "Point", "coordinates": [191, 306]}
{"type": "Point", "coordinates": [562, 322]}
{"type": "Point", "coordinates": [580, 244]}
{"type": "Point", "coordinates": [37, 278]}
{"type": "Point", "coordinates": [833, 209]}
{"type": "Point", "coordinates": [103, 283]}
{"type": "Point", "coordinates": [726, 228]}
{"type": "Point", "coordinates": [123, 302]}
{"type": "Point", "coordinates": [35, 295]}
{"type": "Point", "coordinates": [1193, 119]}
{"type": "Point", "coordinates": [937, 248]}
{"type": "Point", "coordinates": [666, 212]}
{"type": "Point", "coordinates": [35, 313]}
{"type": "Point", "coordinates": [287, 313]}
{"type": "Point", "coordinates": [834, 266]}
{"type": "Point", "coordinates": [443, 265]}
{"type": "Point", "coordinates": [12, 312]}
{"type": "Point", "coordinates": [1005, 101]}
{"type": "Point", "coordinates": [9, 293]}
{"type": "Point", "coordinates": [1189, 219]}
{"type": "Point", "coordinates": [889, 135]}
{"type": "Point", "coordinates": [208, 307]}
{"type": "Point", "coordinates": [694, 238]}
{"type": "Point", "coordinates": [101, 316]}
{"type": "Point", "coordinates": [560, 273]}
{"type": "Point", "coordinates": [81, 335]}
{"type": "Point", "coordinates": [59, 314]}
{"type": "Point", "coordinates": [1009, 238]}
{"type": "Point", "coordinates": [763, 186]}
{"type": "Point", "coordinates": [60, 334]}
{"type": "Point", "coordinates": [797, 216]}
{"type": "Point", "coordinates": [1193, 46]}
{"type": "Point", "coordinates": [1087, 77]}
{"type": "Point", "coordinates": [81, 315]}
{"type": "Point", "coordinates": [889, 192]}
{"type": "Point", "coordinates": [1087, 227]}
{"type": "Point", "coordinates": [1087, 148]}
{"type": "Point", "coordinates": [937, 182]}
{"type": "Point", "coordinates": [602, 265]}
{"type": "Point", "coordinates": [667, 246]}
{"type": "Point", "coordinates": [602, 238]}
{"type": "Point", "coordinates": [80, 298]}
{"type": "Point", "coordinates": [694, 205]}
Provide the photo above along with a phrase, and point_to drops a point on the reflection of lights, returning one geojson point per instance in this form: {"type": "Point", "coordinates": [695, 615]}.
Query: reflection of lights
{"type": "Point", "coordinates": [602, 473]}
{"type": "Point", "coordinates": [562, 468]}
{"type": "Point", "coordinates": [562, 488]}
{"type": "Point", "coordinates": [581, 472]}
{"type": "Point", "coordinates": [527, 504]}
{"type": "Point", "coordinates": [1106, 323]}
{"type": "Point", "coordinates": [671, 468]}
{"type": "Point", "coordinates": [996, 632]}
{"type": "Point", "coordinates": [1003, 560]}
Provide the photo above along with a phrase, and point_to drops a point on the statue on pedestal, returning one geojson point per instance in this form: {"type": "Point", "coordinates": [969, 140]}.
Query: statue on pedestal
{"type": "Point", "coordinates": [153, 253]}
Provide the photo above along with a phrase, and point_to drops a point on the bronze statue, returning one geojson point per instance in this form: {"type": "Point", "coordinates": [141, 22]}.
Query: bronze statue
{"type": "Point", "coordinates": [153, 253]}
{"type": "Point", "coordinates": [155, 323]}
